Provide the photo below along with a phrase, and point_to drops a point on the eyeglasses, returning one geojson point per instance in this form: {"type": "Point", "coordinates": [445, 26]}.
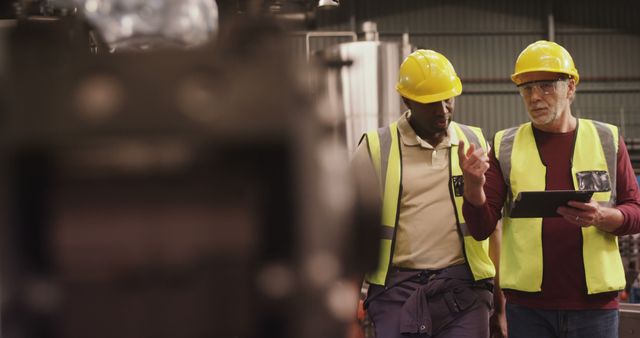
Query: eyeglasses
{"type": "Point", "coordinates": [546, 87]}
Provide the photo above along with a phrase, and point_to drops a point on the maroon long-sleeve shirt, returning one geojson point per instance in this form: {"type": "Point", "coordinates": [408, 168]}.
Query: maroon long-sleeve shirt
{"type": "Point", "coordinates": [563, 282]}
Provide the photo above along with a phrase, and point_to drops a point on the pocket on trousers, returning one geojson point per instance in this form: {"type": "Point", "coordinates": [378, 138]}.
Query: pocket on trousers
{"type": "Point", "coordinates": [486, 297]}
{"type": "Point", "coordinates": [448, 306]}
{"type": "Point", "coordinates": [459, 300]}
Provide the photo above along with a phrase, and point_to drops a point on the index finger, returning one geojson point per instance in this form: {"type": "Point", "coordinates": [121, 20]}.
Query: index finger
{"type": "Point", "coordinates": [461, 156]}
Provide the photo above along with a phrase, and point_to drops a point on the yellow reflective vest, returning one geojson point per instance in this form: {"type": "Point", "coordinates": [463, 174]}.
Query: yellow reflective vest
{"type": "Point", "coordinates": [385, 151]}
{"type": "Point", "coordinates": [594, 155]}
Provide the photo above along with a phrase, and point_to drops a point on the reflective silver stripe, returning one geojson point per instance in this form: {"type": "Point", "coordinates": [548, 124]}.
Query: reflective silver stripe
{"type": "Point", "coordinates": [384, 135]}
{"type": "Point", "coordinates": [386, 232]}
{"type": "Point", "coordinates": [464, 229]}
{"type": "Point", "coordinates": [385, 148]}
{"type": "Point", "coordinates": [504, 158]}
{"type": "Point", "coordinates": [471, 136]}
{"type": "Point", "coordinates": [609, 147]}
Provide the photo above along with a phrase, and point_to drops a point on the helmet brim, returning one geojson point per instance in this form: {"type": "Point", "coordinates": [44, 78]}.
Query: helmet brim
{"type": "Point", "coordinates": [455, 91]}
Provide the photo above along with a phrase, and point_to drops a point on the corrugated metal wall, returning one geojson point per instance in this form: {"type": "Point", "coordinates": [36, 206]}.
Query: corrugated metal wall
{"type": "Point", "coordinates": [483, 38]}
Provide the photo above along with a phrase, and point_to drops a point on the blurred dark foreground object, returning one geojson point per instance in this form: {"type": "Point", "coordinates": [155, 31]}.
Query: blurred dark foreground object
{"type": "Point", "coordinates": [170, 193]}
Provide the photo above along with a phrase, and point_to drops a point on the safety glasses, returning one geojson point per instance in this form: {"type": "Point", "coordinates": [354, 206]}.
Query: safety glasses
{"type": "Point", "coordinates": [546, 87]}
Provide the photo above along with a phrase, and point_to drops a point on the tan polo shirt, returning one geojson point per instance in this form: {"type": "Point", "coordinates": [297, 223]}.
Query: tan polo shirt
{"type": "Point", "coordinates": [426, 234]}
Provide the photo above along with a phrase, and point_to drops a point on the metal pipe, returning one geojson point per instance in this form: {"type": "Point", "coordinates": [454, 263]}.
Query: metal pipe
{"type": "Point", "coordinates": [370, 30]}
{"type": "Point", "coordinates": [406, 45]}
{"type": "Point", "coordinates": [551, 27]}
{"type": "Point", "coordinates": [622, 121]}
{"type": "Point", "coordinates": [589, 91]}
{"type": "Point", "coordinates": [571, 31]}
{"type": "Point", "coordinates": [461, 33]}
{"type": "Point", "coordinates": [309, 35]}
{"type": "Point", "coordinates": [582, 79]}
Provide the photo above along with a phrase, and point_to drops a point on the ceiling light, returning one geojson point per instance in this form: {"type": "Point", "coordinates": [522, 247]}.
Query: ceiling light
{"type": "Point", "coordinates": [328, 3]}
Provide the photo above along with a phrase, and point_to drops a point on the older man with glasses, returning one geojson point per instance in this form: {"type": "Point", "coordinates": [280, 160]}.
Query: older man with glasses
{"type": "Point", "coordinates": [561, 275]}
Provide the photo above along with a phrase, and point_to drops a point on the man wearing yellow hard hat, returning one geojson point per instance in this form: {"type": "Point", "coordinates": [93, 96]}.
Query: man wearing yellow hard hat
{"type": "Point", "coordinates": [562, 274]}
{"type": "Point", "coordinates": [433, 278]}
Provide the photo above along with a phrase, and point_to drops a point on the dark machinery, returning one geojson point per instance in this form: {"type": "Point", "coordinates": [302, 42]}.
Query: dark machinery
{"type": "Point", "coordinates": [171, 193]}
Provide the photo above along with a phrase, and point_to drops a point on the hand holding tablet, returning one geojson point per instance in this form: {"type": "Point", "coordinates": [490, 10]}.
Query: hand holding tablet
{"type": "Point", "coordinates": [529, 204]}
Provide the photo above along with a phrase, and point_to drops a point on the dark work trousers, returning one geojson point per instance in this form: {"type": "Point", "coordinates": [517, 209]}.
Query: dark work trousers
{"type": "Point", "coordinates": [524, 322]}
{"type": "Point", "coordinates": [423, 303]}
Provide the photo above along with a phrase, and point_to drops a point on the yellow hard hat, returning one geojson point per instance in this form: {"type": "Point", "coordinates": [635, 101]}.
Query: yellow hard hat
{"type": "Point", "coordinates": [544, 56]}
{"type": "Point", "coordinates": [427, 76]}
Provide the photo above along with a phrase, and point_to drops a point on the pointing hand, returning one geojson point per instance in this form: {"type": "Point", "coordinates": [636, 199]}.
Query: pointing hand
{"type": "Point", "coordinates": [474, 164]}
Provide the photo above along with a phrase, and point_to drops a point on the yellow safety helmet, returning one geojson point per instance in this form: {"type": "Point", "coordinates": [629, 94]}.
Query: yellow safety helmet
{"type": "Point", "coordinates": [544, 56]}
{"type": "Point", "coordinates": [427, 76]}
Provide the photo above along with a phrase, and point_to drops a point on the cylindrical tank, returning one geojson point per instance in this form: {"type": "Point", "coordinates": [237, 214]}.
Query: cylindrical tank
{"type": "Point", "coordinates": [361, 84]}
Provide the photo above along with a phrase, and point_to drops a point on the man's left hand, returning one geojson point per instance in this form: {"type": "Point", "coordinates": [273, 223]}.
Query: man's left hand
{"type": "Point", "coordinates": [592, 214]}
{"type": "Point", "coordinates": [498, 325]}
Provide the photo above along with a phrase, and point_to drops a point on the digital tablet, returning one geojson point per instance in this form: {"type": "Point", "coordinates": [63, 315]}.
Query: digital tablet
{"type": "Point", "coordinates": [544, 203]}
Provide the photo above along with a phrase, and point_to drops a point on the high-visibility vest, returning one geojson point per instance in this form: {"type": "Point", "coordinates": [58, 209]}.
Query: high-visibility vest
{"type": "Point", "coordinates": [593, 167]}
{"type": "Point", "coordinates": [386, 155]}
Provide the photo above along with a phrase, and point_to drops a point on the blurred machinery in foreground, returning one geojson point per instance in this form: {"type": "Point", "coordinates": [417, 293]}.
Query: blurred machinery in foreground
{"type": "Point", "coordinates": [172, 193]}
